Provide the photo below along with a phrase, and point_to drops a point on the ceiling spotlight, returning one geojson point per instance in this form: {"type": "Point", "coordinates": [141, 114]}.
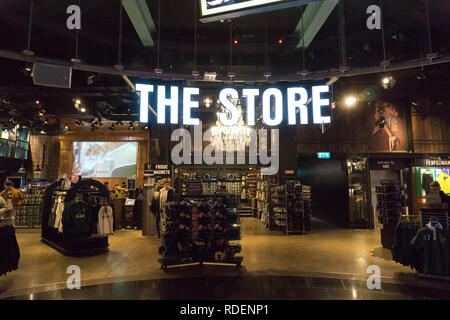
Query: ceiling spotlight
{"type": "Point", "coordinates": [350, 101]}
{"type": "Point", "coordinates": [37, 102]}
{"type": "Point", "coordinates": [42, 112]}
{"type": "Point", "coordinates": [303, 73]}
{"type": "Point", "coordinates": [207, 101]}
{"type": "Point", "coordinates": [66, 127]}
{"type": "Point", "coordinates": [280, 41]}
{"type": "Point", "coordinates": [146, 128]}
{"type": "Point", "coordinates": [414, 103]}
{"type": "Point", "coordinates": [421, 76]}
{"type": "Point", "coordinates": [90, 79]}
{"type": "Point", "coordinates": [27, 72]}
{"type": "Point", "coordinates": [235, 41]}
{"type": "Point", "coordinates": [195, 73]}
{"type": "Point", "coordinates": [42, 132]}
{"type": "Point", "coordinates": [267, 75]}
{"type": "Point", "coordinates": [131, 128]}
{"type": "Point", "coordinates": [83, 109]}
{"type": "Point", "coordinates": [388, 82]}
{"type": "Point", "coordinates": [77, 101]}
{"type": "Point", "coordinates": [46, 121]}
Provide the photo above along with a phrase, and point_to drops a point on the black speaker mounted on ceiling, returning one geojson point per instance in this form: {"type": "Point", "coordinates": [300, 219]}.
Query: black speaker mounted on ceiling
{"type": "Point", "coordinates": [51, 75]}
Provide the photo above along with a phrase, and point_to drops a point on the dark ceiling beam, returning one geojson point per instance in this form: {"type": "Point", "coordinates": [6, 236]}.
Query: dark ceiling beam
{"type": "Point", "coordinates": [317, 75]}
{"type": "Point", "coordinates": [312, 21]}
{"type": "Point", "coordinates": [142, 20]}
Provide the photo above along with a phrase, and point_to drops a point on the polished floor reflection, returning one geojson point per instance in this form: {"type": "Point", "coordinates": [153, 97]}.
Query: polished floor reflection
{"type": "Point", "coordinates": [242, 288]}
{"type": "Point", "coordinates": [327, 252]}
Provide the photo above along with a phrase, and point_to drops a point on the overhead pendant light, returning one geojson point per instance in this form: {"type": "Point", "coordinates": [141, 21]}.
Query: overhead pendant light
{"type": "Point", "coordinates": [22, 170]}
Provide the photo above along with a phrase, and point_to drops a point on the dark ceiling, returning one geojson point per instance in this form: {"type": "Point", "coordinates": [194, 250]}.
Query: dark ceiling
{"type": "Point", "coordinates": [404, 22]}
{"type": "Point", "coordinates": [108, 96]}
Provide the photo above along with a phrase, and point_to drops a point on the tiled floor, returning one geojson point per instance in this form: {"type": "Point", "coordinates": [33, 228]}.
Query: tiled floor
{"type": "Point", "coordinates": [327, 263]}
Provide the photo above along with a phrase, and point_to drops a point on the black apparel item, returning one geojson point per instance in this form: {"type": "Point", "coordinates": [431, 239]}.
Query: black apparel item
{"type": "Point", "coordinates": [9, 250]}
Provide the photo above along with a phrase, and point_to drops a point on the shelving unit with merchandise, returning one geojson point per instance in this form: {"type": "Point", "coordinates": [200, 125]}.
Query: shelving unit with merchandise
{"type": "Point", "coordinates": [200, 229]}
{"type": "Point", "coordinates": [262, 200]}
{"type": "Point", "coordinates": [290, 207]}
{"type": "Point", "coordinates": [29, 215]}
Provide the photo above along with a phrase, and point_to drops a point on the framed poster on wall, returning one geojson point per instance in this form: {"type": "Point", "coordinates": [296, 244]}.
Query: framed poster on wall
{"type": "Point", "coordinates": [386, 127]}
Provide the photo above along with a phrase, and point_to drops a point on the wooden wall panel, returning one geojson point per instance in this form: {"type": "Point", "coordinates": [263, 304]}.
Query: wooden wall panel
{"type": "Point", "coordinates": [431, 127]}
{"type": "Point", "coordinates": [346, 134]}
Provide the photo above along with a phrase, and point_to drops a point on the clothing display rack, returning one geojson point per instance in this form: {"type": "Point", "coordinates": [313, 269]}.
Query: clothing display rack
{"type": "Point", "coordinates": [9, 248]}
{"type": "Point", "coordinates": [69, 243]}
{"type": "Point", "coordinates": [421, 243]}
{"type": "Point", "coordinates": [199, 229]}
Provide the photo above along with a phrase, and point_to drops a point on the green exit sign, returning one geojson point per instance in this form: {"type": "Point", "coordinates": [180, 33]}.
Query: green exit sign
{"type": "Point", "coordinates": [323, 155]}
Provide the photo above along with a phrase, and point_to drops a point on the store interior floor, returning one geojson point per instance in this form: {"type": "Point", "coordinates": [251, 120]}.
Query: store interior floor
{"type": "Point", "coordinates": [327, 252]}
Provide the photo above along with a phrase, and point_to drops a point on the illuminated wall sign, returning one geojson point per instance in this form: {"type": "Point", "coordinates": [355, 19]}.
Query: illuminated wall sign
{"type": "Point", "coordinates": [168, 100]}
{"type": "Point", "coordinates": [323, 155]}
{"type": "Point", "coordinates": [214, 10]}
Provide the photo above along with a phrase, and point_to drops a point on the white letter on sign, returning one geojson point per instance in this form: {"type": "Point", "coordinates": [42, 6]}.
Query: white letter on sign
{"type": "Point", "coordinates": [251, 95]}
{"type": "Point", "coordinates": [294, 103]}
{"type": "Point", "coordinates": [223, 97]}
{"type": "Point", "coordinates": [278, 96]}
{"type": "Point", "coordinates": [318, 103]}
{"type": "Point", "coordinates": [188, 104]}
{"type": "Point", "coordinates": [172, 102]}
{"type": "Point", "coordinates": [145, 89]}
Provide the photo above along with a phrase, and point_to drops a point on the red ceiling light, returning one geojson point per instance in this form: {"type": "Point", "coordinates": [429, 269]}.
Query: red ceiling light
{"type": "Point", "coordinates": [280, 41]}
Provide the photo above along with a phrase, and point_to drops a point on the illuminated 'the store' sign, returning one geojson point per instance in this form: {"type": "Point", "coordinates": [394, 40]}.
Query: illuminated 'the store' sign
{"type": "Point", "coordinates": [272, 104]}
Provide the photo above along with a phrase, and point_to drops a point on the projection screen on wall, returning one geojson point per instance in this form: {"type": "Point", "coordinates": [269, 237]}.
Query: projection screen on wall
{"type": "Point", "coordinates": [104, 159]}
